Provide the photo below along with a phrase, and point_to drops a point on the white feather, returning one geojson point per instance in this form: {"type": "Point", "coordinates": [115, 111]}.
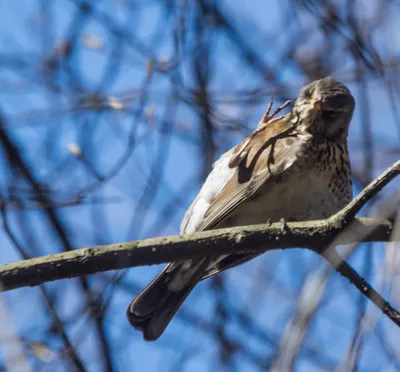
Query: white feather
{"type": "Point", "coordinates": [216, 180]}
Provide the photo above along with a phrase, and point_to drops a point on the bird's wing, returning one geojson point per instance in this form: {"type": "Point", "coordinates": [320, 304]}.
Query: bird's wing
{"type": "Point", "coordinates": [215, 182]}
{"type": "Point", "coordinates": [271, 152]}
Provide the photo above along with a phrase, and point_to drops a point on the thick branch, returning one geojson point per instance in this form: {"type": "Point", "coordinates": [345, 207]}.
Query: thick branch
{"type": "Point", "coordinates": [342, 228]}
{"type": "Point", "coordinates": [257, 238]}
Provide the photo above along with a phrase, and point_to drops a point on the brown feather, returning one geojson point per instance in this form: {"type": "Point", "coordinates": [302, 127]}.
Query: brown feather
{"type": "Point", "coordinates": [268, 156]}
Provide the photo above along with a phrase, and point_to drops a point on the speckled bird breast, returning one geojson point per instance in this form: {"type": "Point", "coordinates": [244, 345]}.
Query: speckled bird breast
{"type": "Point", "coordinates": [316, 189]}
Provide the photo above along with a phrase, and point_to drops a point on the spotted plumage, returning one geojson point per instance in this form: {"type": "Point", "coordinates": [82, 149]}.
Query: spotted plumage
{"type": "Point", "coordinates": [297, 168]}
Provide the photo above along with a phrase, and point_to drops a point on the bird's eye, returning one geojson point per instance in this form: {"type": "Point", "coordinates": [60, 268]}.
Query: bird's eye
{"type": "Point", "coordinates": [329, 115]}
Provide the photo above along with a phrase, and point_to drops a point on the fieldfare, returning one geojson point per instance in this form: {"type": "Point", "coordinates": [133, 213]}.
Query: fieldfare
{"type": "Point", "coordinates": [294, 167]}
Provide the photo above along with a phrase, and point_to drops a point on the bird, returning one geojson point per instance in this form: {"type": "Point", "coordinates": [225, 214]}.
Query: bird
{"type": "Point", "coordinates": [295, 167]}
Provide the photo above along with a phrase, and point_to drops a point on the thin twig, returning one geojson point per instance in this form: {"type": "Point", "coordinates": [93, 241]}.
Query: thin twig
{"type": "Point", "coordinates": [266, 120]}
{"type": "Point", "coordinates": [347, 213]}
{"type": "Point", "coordinates": [266, 114]}
{"type": "Point", "coordinates": [343, 268]}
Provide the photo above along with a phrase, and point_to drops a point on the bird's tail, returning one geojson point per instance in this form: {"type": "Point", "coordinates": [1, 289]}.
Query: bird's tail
{"type": "Point", "coordinates": [152, 310]}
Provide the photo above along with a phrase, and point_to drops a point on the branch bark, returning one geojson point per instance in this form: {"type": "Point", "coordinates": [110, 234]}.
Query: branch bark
{"type": "Point", "coordinates": [257, 238]}
{"type": "Point", "coordinates": [341, 228]}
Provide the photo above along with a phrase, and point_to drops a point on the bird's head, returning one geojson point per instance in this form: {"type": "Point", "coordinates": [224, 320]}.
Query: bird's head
{"type": "Point", "coordinates": [325, 107]}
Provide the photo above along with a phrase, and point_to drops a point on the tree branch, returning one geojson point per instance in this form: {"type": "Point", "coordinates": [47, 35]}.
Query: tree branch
{"type": "Point", "coordinates": [343, 268]}
{"type": "Point", "coordinates": [347, 213]}
{"type": "Point", "coordinates": [256, 238]}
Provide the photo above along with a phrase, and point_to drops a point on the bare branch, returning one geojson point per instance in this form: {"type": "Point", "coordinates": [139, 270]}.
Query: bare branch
{"type": "Point", "coordinates": [257, 238]}
{"type": "Point", "coordinates": [343, 268]}
{"type": "Point", "coordinates": [347, 213]}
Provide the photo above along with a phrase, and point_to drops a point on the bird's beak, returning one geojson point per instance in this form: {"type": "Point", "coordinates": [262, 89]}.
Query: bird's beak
{"type": "Point", "coordinates": [317, 104]}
